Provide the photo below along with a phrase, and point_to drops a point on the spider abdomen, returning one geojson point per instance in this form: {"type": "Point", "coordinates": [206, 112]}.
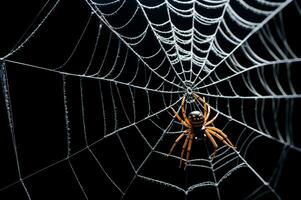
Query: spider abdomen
{"type": "Point", "coordinates": [196, 120]}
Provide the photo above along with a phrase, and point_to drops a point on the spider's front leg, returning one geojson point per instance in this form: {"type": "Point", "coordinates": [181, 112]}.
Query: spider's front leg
{"type": "Point", "coordinates": [206, 107]}
{"type": "Point", "coordinates": [180, 119]}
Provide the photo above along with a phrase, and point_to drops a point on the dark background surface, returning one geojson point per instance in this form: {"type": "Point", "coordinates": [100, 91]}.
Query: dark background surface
{"type": "Point", "coordinates": [39, 122]}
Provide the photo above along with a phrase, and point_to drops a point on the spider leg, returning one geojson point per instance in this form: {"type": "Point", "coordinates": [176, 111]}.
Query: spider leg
{"type": "Point", "coordinates": [212, 120]}
{"type": "Point", "coordinates": [201, 100]}
{"type": "Point", "coordinates": [191, 136]}
{"type": "Point", "coordinates": [183, 150]}
{"type": "Point", "coordinates": [184, 112]}
{"type": "Point", "coordinates": [206, 117]}
{"type": "Point", "coordinates": [219, 137]}
{"type": "Point", "coordinates": [176, 141]}
{"type": "Point", "coordinates": [207, 109]}
{"type": "Point", "coordinates": [220, 133]}
{"type": "Point", "coordinates": [180, 119]}
{"type": "Point", "coordinates": [215, 146]}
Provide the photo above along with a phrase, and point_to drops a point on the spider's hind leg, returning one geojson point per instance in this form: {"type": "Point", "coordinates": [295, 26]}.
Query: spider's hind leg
{"type": "Point", "coordinates": [183, 150]}
{"type": "Point", "coordinates": [191, 136]}
{"type": "Point", "coordinates": [176, 142]}
{"type": "Point", "coordinates": [220, 133]}
{"type": "Point", "coordinates": [215, 146]}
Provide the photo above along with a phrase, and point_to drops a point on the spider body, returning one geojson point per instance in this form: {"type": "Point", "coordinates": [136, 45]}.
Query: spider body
{"type": "Point", "coordinates": [196, 120]}
{"type": "Point", "coordinates": [198, 126]}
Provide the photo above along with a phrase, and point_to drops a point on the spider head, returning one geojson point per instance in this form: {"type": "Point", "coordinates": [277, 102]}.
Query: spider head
{"type": "Point", "coordinates": [196, 118]}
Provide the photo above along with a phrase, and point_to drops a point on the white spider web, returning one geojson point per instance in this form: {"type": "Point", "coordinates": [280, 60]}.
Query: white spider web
{"type": "Point", "coordinates": [88, 86]}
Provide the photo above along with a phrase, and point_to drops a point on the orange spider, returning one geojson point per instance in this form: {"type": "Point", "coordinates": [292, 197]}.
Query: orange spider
{"type": "Point", "coordinates": [198, 125]}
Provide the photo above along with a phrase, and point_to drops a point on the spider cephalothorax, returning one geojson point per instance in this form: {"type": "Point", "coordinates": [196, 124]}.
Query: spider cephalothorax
{"type": "Point", "coordinates": [198, 125]}
{"type": "Point", "coordinates": [196, 118]}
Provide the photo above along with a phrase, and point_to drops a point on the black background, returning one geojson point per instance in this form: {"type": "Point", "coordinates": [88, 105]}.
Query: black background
{"type": "Point", "coordinates": [39, 123]}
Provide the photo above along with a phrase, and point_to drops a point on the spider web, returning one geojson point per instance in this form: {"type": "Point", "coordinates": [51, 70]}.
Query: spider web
{"type": "Point", "coordinates": [88, 86]}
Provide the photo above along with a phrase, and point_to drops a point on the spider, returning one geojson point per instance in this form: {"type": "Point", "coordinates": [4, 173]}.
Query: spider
{"type": "Point", "coordinates": [198, 125]}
